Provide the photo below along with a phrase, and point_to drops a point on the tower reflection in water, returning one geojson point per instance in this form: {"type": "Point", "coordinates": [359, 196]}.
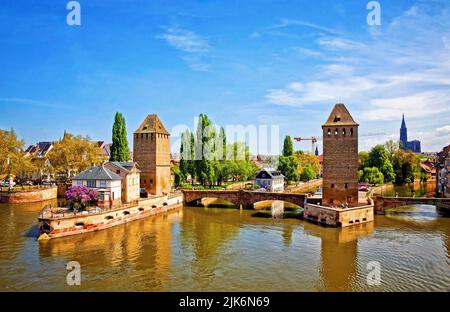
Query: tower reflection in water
{"type": "Point", "coordinates": [339, 253]}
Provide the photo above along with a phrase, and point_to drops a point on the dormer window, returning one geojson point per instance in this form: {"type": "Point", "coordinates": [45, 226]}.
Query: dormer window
{"type": "Point", "coordinates": [337, 118]}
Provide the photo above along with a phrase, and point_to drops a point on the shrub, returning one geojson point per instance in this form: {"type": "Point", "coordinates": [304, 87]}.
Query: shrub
{"type": "Point", "coordinates": [80, 196]}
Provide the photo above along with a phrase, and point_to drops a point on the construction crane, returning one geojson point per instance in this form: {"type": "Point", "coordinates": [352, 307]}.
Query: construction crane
{"type": "Point", "coordinates": [313, 142]}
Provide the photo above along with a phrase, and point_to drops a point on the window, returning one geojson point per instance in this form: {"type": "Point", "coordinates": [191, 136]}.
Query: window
{"type": "Point", "coordinates": [346, 185]}
{"type": "Point", "coordinates": [118, 171]}
{"type": "Point", "coordinates": [329, 133]}
{"type": "Point", "coordinates": [332, 185]}
{"type": "Point", "coordinates": [337, 118]}
{"type": "Point", "coordinates": [101, 196]}
{"type": "Point", "coordinates": [336, 132]}
{"type": "Point", "coordinates": [343, 132]}
{"type": "Point", "coordinates": [91, 183]}
{"type": "Point", "coordinates": [351, 131]}
{"type": "Point", "coordinates": [103, 183]}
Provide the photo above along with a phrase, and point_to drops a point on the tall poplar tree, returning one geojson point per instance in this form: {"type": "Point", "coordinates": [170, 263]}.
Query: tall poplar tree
{"type": "Point", "coordinates": [288, 147]}
{"type": "Point", "coordinates": [119, 148]}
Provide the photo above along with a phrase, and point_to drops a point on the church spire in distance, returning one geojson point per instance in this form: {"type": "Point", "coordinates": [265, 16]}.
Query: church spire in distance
{"type": "Point", "coordinates": [403, 134]}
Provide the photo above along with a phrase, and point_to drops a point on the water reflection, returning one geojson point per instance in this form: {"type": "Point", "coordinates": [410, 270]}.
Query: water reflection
{"type": "Point", "coordinates": [207, 249]}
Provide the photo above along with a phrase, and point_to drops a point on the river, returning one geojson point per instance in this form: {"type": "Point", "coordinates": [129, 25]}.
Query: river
{"type": "Point", "coordinates": [212, 249]}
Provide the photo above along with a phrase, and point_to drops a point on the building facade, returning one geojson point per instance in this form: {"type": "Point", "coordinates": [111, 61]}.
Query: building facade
{"type": "Point", "coordinates": [151, 151]}
{"type": "Point", "coordinates": [340, 159]}
{"type": "Point", "coordinates": [130, 175]}
{"type": "Point", "coordinates": [443, 173]}
{"type": "Point", "coordinates": [270, 179]}
{"type": "Point", "coordinates": [107, 184]}
{"type": "Point", "coordinates": [414, 145]}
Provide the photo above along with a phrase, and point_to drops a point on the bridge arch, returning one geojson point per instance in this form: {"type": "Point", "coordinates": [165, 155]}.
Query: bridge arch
{"type": "Point", "coordinates": [258, 204]}
{"type": "Point", "coordinates": [246, 199]}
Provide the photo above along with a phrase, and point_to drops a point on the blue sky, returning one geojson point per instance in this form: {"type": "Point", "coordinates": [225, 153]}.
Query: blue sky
{"type": "Point", "coordinates": [247, 62]}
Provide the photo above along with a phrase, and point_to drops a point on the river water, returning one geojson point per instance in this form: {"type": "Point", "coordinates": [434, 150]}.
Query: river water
{"type": "Point", "coordinates": [211, 249]}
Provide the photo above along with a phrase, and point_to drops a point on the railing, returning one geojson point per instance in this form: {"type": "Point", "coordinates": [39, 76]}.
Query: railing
{"type": "Point", "coordinates": [50, 212]}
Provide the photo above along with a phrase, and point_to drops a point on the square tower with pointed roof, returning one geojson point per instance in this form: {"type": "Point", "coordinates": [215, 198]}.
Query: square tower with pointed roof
{"type": "Point", "coordinates": [151, 151]}
{"type": "Point", "coordinates": [340, 159]}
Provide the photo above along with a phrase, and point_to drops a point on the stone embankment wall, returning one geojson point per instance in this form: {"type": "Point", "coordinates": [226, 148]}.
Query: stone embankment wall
{"type": "Point", "coordinates": [30, 196]}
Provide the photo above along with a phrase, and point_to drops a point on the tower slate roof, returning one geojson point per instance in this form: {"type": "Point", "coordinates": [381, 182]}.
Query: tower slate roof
{"type": "Point", "coordinates": [152, 124]}
{"type": "Point", "coordinates": [340, 116]}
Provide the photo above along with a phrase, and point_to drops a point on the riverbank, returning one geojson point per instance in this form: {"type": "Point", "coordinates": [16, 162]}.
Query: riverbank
{"type": "Point", "coordinates": [305, 187]}
{"type": "Point", "coordinates": [29, 195]}
{"type": "Point", "coordinates": [416, 189]}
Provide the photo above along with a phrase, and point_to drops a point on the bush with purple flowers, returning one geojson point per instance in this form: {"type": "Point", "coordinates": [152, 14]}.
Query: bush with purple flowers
{"type": "Point", "coordinates": [80, 196]}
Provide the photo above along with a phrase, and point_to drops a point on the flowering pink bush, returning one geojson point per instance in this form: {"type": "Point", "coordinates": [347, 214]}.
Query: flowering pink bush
{"type": "Point", "coordinates": [81, 196]}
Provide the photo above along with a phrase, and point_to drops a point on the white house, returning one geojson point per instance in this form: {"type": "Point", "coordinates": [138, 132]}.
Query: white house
{"type": "Point", "coordinates": [107, 184]}
{"type": "Point", "coordinates": [270, 179]}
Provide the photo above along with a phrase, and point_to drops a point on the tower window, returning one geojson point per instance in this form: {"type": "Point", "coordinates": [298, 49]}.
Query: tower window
{"type": "Point", "coordinates": [329, 132]}
{"type": "Point", "coordinates": [351, 131]}
{"type": "Point", "coordinates": [336, 132]}
{"type": "Point", "coordinates": [332, 185]}
{"type": "Point", "coordinates": [346, 185]}
{"type": "Point", "coordinates": [343, 132]}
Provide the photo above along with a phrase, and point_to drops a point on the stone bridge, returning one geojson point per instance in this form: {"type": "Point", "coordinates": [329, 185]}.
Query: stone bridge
{"type": "Point", "coordinates": [246, 199]}
{"type": "Point", "coordinates": [383, 203]}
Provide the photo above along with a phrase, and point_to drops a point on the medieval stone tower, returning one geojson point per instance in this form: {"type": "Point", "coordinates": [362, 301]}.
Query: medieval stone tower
{"type": "Point", "coordinates": [151, 150]}
{"type": "Point", "coordinates": [340, 159]}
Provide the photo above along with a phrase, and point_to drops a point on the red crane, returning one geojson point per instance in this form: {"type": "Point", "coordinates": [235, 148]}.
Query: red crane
{"type": "Point", "coordinates": [313, 142]}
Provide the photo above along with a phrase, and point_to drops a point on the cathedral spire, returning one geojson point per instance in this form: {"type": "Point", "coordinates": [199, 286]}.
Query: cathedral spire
{"type": "Point", "coordinates": [403, 134]}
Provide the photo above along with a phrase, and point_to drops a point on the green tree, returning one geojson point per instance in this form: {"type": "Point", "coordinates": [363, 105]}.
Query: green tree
{"type": "Point", "coordinates": [187, 154]}
{"type": "Point", "coordinates": [119, 148]}
{"type": "Point", "coordinates": [379, 158]}
{"type": "Point", "coordinates": [288, 167]}
{"type": "Point", "coordinates": [179, 177]}
{"type": "Point", "coordinates": [371, 175]}
{"type": "Point", "coordinates": [308, 173]}
{"type": "Point", "coordinates": [363, 158]}
{"type": "Point", "coordinates": [205, 151]}
{"type": "Point", "coordinates": [288, 147]}
{"type": "Point", "coordinates": [406, 167]}
{"type": "Point", "coordinates": [391, 147]}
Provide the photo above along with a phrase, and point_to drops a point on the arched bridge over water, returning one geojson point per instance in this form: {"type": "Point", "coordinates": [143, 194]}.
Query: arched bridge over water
{"type": "Point", "coordinates": [244, 199]}
{"type": "Point", "coordinates": [383, 203]}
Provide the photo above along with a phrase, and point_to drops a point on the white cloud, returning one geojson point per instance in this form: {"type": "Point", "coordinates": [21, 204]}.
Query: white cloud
{"type": "Point", "coordinates": [194, 47]}
{"type": "Point", "coordinates": [403, 67]}
{"type": "Point", "coordinates": [289, 22]}
{"type": "Point", "coordinates": [444, 130]}
{"type": "Point", "coordinates": [339, 43]}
